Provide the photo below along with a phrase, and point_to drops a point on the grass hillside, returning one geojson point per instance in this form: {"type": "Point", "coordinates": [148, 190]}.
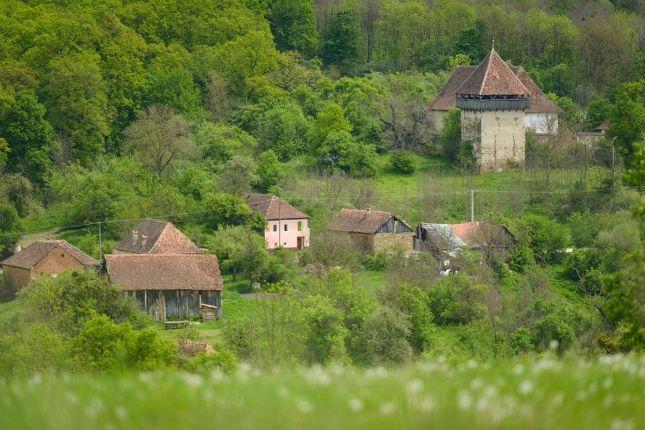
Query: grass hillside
{"type": "Point", "coordinates": [604, 393]}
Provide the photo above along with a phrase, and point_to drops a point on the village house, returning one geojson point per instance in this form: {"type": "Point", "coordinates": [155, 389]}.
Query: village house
{"type": "Point", "coordinates": [497, 104]}
{"type": "Point", "coordinates": [372, 231]}
{"type": "Point", "coordinates": [43, 257]}
{"type": "Point", "coordinates": [287, 227]}
{"type": "Point", "coordinates": [169, 286]}
{"type": "Point", "coordinates": [156, 237]}
{"type": "Point", "coordinates": [170, 276]}
{"type": "Point", "coordinates": [446, 241]}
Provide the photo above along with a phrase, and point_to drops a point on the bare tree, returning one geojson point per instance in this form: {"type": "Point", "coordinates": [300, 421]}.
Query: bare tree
{"type": "Point", "coordinates": [159, 138]}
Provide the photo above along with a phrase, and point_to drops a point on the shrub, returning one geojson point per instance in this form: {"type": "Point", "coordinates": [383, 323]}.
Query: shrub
{"type": "Point", "coordinates": [521, 258]}
{"type": "Point", "coordinates": [546, 238]}
{"type": "Point", "coordinates": [384, 337]}
{"type": "Point", "coordinates": [66, 301]}
{"type": "Point", "coordinates": [403, 162]}
{"type": "Point", "coordinates": [325, 331]}
{"type": "Point", "coordinates": [376, 261]}
{"type": "Point", "coordinates": [456, 300]}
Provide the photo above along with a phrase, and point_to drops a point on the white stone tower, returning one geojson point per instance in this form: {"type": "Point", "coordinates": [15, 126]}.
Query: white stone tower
{"type": "Point", "coordinates": [493, 101]}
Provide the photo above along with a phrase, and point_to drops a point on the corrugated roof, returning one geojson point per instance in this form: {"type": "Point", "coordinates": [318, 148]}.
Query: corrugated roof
{"type": "Point", "coordinates": [272, 207]}
{"type": "Point", "coordinates": [157, 237]}
{"type": "Point", "coordinates": [469, 234]}
{"type": "Point", "coordinates": [34, 253]}
{"type": "Point", "coordinates": [197, 272]}
{"type": "Point", "coordinates": [359, 221]}
{"type": "Point", "coordinates": [493, 77]}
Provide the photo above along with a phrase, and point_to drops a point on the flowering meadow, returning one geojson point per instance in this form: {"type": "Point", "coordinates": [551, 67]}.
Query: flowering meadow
{"type": "Point", "coordinates": [603, 393]}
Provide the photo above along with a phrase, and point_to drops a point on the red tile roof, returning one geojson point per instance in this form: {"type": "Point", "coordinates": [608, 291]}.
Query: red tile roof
{"type": "Point", "coordinates": [157, 237]}
{"type": "Point", "coordinates": [273, 208]}
{"type": "Point", "coordinates": [198, 272]}
{"type": "Point", "coordinates": [359, 221]}
{"type": "Point", "coordinates": [493, 77]}
{"type": "Point", "coordinates": [34, 253]}
{"type": "Point", "coordinates": [539, 102]}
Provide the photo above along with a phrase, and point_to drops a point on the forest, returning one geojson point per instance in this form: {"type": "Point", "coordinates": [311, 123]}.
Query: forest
{"type": "Point", "coordinates": [115, 111]}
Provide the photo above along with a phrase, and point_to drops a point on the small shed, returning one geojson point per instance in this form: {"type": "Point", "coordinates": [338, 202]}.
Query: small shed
{"type": "Point", "coordinates": [43, 257]}
{"type": "Point", "coordinates": [169, 286]}
{"type": "Point", "coordinates": [372, 231]}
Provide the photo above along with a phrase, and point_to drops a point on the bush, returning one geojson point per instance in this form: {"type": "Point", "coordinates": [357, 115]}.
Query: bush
{"type": "Point", "coordinates": [384, 337]}
{"type": "Point", "coordinates": [546, 238]}
{"type": "Point", "coordinates": [521, 258]}
{"type": "Point", "coordinates": [403, 163]}
{"type": "Point", "coordinates": [66, 301]}
{"type": "Point", "coordinates": [376, 262]}
{"type": "Point", "coordinates": [456, 300]}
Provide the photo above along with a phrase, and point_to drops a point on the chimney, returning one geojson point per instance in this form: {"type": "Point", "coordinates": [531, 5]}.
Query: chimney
{"type": "Point", "coordinates": [135, 237]}
{"type": "Point", "coordinates": [144, 240]}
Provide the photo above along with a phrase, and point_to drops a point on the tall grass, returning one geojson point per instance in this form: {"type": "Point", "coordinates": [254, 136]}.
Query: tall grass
{"type": "Point", "coordinates": [546, 393]}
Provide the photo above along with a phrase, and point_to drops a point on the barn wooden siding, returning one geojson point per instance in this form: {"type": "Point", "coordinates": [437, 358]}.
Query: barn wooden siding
{"type": "Point", "coordinates": [176, 304]}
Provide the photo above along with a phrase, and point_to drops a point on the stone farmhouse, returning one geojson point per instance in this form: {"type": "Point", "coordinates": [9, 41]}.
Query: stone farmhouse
{"type": "Point", "coordinates": [43, 257]}
{"type": "Point", "coordinates": [498, 104]}
{"type": "Point", "coordinates": [168, 274]}
{"type": "Point", "coordinates": [287, 227]}
{"type": "Point", "coordinates": [372, 231]}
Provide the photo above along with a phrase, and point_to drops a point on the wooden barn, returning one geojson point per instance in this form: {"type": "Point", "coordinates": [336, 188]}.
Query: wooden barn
{"type": "Point", "coordinates": [43, 257]}
{"type": "Point", "coordinates": [169, 286]}
{"type": "Point", "coordinates": [372, 231]}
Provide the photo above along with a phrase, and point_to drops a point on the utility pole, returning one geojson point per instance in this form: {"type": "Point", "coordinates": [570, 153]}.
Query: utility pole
{"type": "Point", "coordinates": [472, 205]}
{"type": "Point", "coordinates": [100, 243]}
{"type": "Point", "coordinates": [613, 162]}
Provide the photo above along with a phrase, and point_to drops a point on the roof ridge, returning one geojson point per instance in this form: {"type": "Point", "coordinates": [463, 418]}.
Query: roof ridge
{"type": "Point", "coordinates": [490, 60]}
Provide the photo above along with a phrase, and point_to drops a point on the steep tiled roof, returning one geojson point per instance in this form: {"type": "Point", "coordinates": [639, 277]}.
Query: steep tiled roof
{"type": "Point", "coordinates": [272, 207]}
{"type": "Point", "coordinates": [445, 100]}
{"type": "Point", "coordinates": [164, 271]}
{"type": "Point", "coordinates": [493, 77]}
{"type": "Point", "coordinates": [359, 221]}
{"type": "Point", "coordinates": [34, 253]}
{"type": "Point", "coordinates": [539, 102]}
{"type": "Point", "coordinates": [157, 237]}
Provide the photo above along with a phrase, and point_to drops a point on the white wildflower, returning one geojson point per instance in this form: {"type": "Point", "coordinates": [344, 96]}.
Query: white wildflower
{"type": "Point", "coordinates": [355, 405]}
{"type": "Point", "coordinates": [476, 384]}
{"type": "Point", "coordinates": [526, 387]}
{"type": "Point", "coordinates": [387, 408]}
{"type": "Point", "coordinates": [518, 369]}
{"type": "Point", "coordinates": [193, 381]}
{"type": "Point", "coordinates": [464, 400]}
{"type": "Point", "coordinates": [282, 391]}
{"type": "Point", "coordinates": [94, 407]}
{"type": "Point", "coordinates": [121, 413]}
{"type": "Point", "coordinates": [71, 397]}
{"type": "Point", "coordinates": [471, 364]}
{"type": "Point", "coordinates": [622, 425]}
{"type": "Point", "coordinates": [608, 401]}
{"type": "Point", "coordinates": [304, 407]}
{"type": "Point", "coordinates": [553, 345]}
{"type": "Point", "coordinates": [414, 386]}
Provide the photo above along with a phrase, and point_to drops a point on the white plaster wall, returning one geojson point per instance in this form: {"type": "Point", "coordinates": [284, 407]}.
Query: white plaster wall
{"type": "Point", "coordinates": [542, 123]}
{"type": "Point", "coordinates": [498, 137]}
{"type": "Point", "coordinates": [276, 235]}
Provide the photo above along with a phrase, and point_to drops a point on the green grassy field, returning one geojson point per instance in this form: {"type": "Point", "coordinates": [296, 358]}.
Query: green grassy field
{"type": "Point", "coordinates": [547, 393]}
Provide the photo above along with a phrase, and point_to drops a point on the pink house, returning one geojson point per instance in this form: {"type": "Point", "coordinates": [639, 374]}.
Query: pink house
{"type": "Point", "coordinates": [287, 227]}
